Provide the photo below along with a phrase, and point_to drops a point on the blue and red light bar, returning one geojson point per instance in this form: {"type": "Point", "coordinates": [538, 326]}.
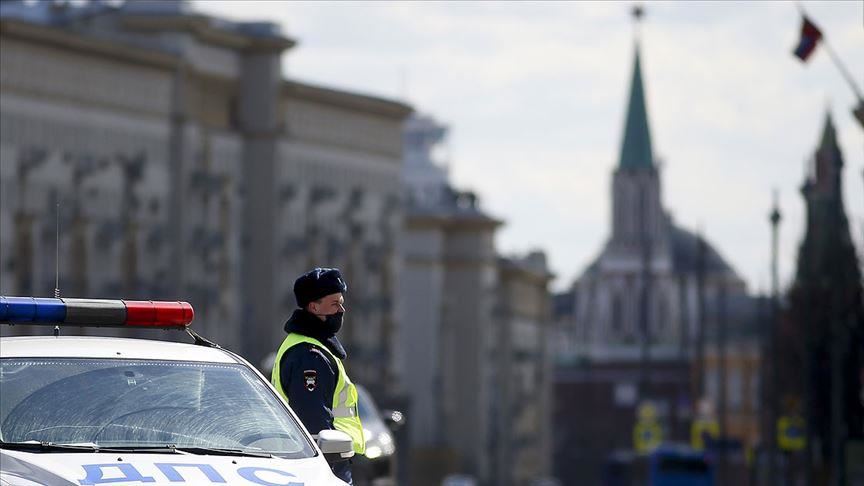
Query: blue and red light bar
{"type": "Point", "coordinates": [96, 312]}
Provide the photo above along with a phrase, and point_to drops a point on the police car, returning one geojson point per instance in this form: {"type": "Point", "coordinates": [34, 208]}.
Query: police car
{"type": "Point", "coordinates": [98, 410]}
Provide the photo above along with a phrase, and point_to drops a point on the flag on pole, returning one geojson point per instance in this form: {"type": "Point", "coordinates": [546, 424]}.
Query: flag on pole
{"type": "Point", "coordinates": [810, 36]}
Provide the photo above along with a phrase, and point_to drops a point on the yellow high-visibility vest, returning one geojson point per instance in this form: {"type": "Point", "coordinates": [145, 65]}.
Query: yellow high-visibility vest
{"type": "Point", "coordinates": [345, 416]}
{"type": "Point", "coordinates": [791, 433]}
{"type": "Point", "coordinates": [701, 429]}
{"type": "Point", "coordinates": [647, 435]}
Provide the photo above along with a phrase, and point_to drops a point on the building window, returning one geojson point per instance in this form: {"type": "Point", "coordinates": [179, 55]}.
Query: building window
{"type": "Point", "coordinates": [755, 390]}
{"type": "Point", "coordinates": [735, 388]}
{"type": "Point", "coordinates": [712, 382]}
{"type": "Point", "coordinates": [617, 315]}
{"type": "Point", "coordinates": [662, 323]}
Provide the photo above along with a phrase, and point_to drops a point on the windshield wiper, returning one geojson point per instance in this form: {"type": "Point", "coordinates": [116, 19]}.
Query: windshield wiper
{"type": "Point", "coordinates": [43, 446]}
{"type": "Point", "coordinates": [222, 451]}
{"type": "Point", "coordinates": [33, 445]}
{"type": "Point", "coordinates": [36, 445]}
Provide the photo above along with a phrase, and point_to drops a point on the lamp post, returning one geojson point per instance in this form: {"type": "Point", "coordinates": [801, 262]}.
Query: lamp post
{"type": "Point", "coordinates": [770, 346]}
{"type": "Point", "coordinates": [722, 374]}
{"type": "Point", "coordinates": [701, 267]}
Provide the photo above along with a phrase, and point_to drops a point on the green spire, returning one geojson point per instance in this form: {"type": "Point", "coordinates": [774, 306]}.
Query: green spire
{"type": "Point", "coordinates": [636, 146]}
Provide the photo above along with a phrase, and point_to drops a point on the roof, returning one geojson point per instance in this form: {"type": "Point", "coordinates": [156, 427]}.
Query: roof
{"type": "Point", "coordinates": [685, 253]}
{"type": "Point", "coordinates": [684, 246]}
{"type": "Point", "coordinates": [636, 145]}
{"type": "Point", "coordinates": [153, 15]}
{"type": "Point", "coordinates": [415, 218]}
{"type": "Point", "coordinates": [346, 99]}
{"type": "Point", "coordinates": [452, 207]}
{"type": "Point", "coordinates": [533, 266]}
{"type": "Point", "coordinates": [106, 347]}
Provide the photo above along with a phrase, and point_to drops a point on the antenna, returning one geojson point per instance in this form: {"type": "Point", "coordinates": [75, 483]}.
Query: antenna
{"type": "Point", "coordinates": [57, 262]}
{"type": "Point", "coordinates": [57, 255]}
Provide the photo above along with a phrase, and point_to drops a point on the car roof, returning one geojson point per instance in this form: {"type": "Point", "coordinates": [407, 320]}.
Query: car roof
{"type": "Point", "coordinates": [109, 347]}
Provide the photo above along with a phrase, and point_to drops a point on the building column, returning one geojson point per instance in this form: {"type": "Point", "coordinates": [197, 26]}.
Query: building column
{"type": "Point", "coordinates": [259, 120]}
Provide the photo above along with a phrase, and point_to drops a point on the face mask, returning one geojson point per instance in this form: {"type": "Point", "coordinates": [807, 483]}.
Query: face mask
{"type": "Point", "coordinates": [333, 322]}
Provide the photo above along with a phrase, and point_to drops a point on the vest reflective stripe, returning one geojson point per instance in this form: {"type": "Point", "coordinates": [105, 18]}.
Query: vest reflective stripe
{"type": "Point", "coordinates": [345, 416]}
{"type": "Point", "coordinates": [342, 410]}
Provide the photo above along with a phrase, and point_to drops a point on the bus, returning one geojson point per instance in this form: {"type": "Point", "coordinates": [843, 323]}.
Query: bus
{"type": "Point", "coordinates": [665, 466]}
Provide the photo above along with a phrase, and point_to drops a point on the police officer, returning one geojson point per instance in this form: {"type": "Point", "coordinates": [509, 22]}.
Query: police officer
{"type": "Point", "coordinates": [308, 370]}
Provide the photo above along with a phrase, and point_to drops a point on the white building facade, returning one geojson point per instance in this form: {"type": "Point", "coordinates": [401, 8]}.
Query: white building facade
{"type": "Point", "coordinates": [187, 167]}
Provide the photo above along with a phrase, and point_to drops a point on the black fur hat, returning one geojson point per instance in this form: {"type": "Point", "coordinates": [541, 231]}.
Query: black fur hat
{"type": "Point", "coordinates": [318, 283]}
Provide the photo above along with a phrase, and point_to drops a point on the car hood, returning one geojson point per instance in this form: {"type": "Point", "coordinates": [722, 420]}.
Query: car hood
{"type": "Point", "coordinates": [126, 469]}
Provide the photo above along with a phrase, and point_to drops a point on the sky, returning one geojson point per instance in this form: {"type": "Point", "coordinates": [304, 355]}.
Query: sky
{"type": "Point", "coordinates": [534, 94]}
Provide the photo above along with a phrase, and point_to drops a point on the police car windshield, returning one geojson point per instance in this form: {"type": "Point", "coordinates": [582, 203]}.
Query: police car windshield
{"type": "Point", "coordinates": [129, 403]}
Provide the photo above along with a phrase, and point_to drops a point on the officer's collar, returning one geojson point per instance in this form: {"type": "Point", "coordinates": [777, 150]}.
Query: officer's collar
{"type": "Point", "coordinates": [307, 324]}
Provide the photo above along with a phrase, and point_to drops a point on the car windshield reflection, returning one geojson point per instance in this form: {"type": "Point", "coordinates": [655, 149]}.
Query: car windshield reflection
{"type": "Point", "coordinates": [118, 402]}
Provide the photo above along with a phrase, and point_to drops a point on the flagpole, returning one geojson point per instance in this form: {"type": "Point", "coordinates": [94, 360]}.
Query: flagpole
{"type": "Point", "coordinates": [842, 68]}
{"type": "Point", "coordinates": [857, 111]}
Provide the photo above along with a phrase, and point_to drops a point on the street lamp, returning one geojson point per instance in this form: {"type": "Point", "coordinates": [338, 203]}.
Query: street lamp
{"type": "Point", "coordinates": [770, 344]}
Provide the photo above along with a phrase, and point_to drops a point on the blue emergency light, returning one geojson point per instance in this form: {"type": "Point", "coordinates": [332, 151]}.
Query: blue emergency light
{"type": "Point", "coordinates": [96, 312]}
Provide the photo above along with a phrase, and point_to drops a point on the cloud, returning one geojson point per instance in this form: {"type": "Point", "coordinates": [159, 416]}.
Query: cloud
{"type": "Point", "coordinates": [535, 94]}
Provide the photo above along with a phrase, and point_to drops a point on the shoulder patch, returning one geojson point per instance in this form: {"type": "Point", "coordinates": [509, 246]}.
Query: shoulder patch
{"type": "Point", "coordinates": [310, 377]}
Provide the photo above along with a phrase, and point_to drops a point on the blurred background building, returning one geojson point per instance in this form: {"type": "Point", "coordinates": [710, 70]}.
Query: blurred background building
{"type": "Point", "coordinates": [183, 165]}
{"type": "Point", "coordinates": [475, 330]}
{"type": "Point", "coordinates": [821, 369]}
{"type": "Point", "coordinates": [186, 167]}
{"type": "Point", "coordinates": [648, 323]}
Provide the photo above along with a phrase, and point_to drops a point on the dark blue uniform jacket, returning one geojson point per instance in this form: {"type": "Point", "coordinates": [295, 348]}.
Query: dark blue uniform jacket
{"type": "Point", "coordinates": [308, 380]}
{"type": "Point", "coordinates": [309, 376]}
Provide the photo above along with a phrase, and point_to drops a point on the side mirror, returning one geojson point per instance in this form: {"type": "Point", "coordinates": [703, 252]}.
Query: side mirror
{"type": "Point", "coordinates": [394, 418]}
{"type": "Point", "coordinates": [336, 445]}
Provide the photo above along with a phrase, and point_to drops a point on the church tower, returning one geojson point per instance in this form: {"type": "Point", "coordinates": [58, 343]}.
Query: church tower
{"type": "Point", "coordinates": [638, 220]}
{"type": "Point", "coordinates": [823, 337]}
{"type": "Point", "coordinates": [630, 326]}
{"type": "Point", "coordinates": [626, 301]}
{"type": "Point", "coordinates": [639, 296]}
